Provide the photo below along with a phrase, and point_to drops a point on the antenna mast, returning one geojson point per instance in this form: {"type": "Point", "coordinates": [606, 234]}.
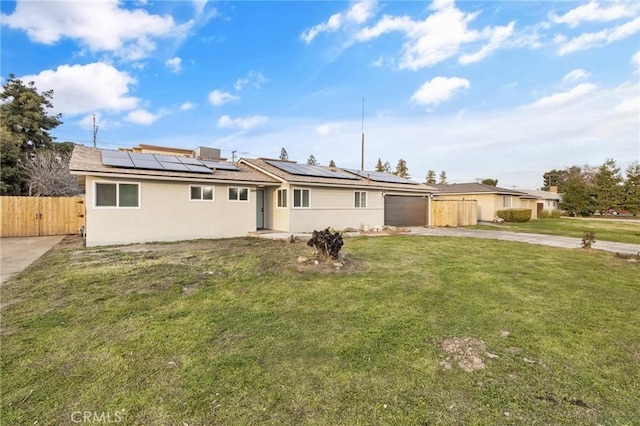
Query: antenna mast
{"type": "Point", "coordinates": [362, 144]}
{"type": "Point", "coordinates": [95, 130]}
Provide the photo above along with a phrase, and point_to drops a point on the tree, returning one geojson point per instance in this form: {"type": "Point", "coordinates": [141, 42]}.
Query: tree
{"type": "Point", "coordinates": [431, 177]}
{"type": "Point", "coordinates": [332, 163]}
{"type": "Point", "coordinates": [632, 189]}
{"type": "Point", "coordinates": [25, 127]}
{"type": "Point", "coordinates": [443, 178]}
{"type": "Point", "coordinates": [555, 178]}
{"type": "Point", "coordinates": [490, 182]}
{"type": "Point", "coordinates": [312, 160]}
{"type": "Point", "coordinates": [48, 174]}
{"type": "Point", "coordinates": [379, 166]}
{"type": "Point", "coordinates": [607, 188]}
{"type": "Point", "coordinates": [283, 155]}
{"type": "Point", "coordinates": [401, 169]}
{"type": "Point", "coordinates": [386, 167]}
{"type": "Point", "coordinates": [576, 197]}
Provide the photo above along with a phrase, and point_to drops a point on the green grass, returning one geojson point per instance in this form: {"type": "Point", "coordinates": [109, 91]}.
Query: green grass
{"type": "Point", "coordinates": [622, 231]}
{"type": "Point", "coordinates": [238, 332]}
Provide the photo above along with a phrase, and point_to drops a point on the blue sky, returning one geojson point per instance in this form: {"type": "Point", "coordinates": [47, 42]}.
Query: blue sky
{"type": "Point", "coordinates": [497, 89]}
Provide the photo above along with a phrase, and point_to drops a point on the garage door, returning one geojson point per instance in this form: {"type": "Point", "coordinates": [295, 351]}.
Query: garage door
{"type": "Point", "coordinates": [402, 210]}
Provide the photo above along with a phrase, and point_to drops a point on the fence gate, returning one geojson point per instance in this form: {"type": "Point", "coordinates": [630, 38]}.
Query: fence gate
{"type": "Point", "coordinates": [454, 213]}
{"type": "Point", "coordinates": [36, 216]}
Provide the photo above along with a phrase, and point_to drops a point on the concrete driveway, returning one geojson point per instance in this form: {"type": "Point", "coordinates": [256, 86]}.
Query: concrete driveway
{"type": "Point", "coordinates": [19, 252]}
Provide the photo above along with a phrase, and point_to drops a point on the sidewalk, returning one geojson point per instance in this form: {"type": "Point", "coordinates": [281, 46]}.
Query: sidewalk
{"type": "Point", "coordinates": [538, 239]}
{"type": "Point", "coordinates": [19, 252]}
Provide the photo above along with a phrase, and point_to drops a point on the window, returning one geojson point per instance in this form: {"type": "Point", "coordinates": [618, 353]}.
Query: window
{"type": "Point", "coordinates": [282, 198]}
{"type": "Point", "coordinates": [506, 201]}
{"type": "Point", "coordinates": [360, 199]}
{"type": "Point", "coordinates": [300, 198]}
{"type": "Point", "coordinates": [204, 193]}
{"type": "Point", "coordinates": [238, 194]}
{"type": "Point", "coordinates": [117, 195]}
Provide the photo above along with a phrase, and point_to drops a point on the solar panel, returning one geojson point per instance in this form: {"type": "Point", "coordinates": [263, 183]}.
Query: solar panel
{"type": "Point", "coordinates": [142, 157]}
{"type": "Point", "coordinates": [187, 160]}
{"type": "Point", "coordinates": [198, 169]}
{"type": "Point", "coordinates": [115, 154]}
{"type": "Point", "coordinates": [220, 165]}
{"type": "Point", "coordinates": [147, 164]}
{"type": "Point", "coordinates": [174, 166]}
{"type": "Point", "coordinates": [117, 162]}
{"type": "Point", "coordinates": [166, 158]}
{"type": "Point", "coordinates": [309, 170]}
{"type": "Point", "coordinates": [381, 176]}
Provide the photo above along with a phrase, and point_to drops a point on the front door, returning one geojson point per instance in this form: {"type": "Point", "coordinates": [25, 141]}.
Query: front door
{"type": "Point", "coordinates": [260, 209]}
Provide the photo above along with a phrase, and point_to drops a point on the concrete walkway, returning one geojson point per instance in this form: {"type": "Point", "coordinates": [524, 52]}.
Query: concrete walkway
{"type": "Point", "coordinates": [19, 252]}
{"type": "Point", "coordinates": [539, 239]}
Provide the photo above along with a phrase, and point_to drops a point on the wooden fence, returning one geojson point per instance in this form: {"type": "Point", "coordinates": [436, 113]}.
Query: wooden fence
{"type": "Point", "coordinates": [36, 216]}
{"type": "Point", "coordinates": [454, 213]}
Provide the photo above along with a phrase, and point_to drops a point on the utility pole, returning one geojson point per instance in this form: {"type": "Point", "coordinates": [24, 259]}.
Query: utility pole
{"type": "Point", "coordinates": [95, 131]}
{"type": "Point", "coordinates": [233, 156]}
{"type": "Point", "coordinates": [362, 144]}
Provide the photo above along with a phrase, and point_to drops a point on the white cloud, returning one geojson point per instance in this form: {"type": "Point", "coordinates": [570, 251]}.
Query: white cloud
{"type": "Point", "coordinates": [328, 129]}
{"type": "Point", "coordinates": [87, 88]}
{"type": "Point", "coordinates": [438, 90]}
{"type": "Point", "coordinates": [592, 12]}
{"type": "Point", "coordinates": [497, 38]}
{"type": "Point", "coordinates": [601, 38]}
{"type": "Point", "coordinates": [243, 123]}
{"type": "Point", "coordinates": [358, 13]}
{"type": "Point", "coordinates": [253, 79]}
{"type": "Point", "coordinates": [101, 122]}
{"type": "Point", "coordinates": [100, 26]}
{"type": "Point", "coordinates": [219, 97]}
{"type": "Point", "coordinates": [562, 98]}
{"type": "Point", "coordinates": [141, 116]}
{"type": "Point", "coordinates": [174, 64]}
{"type": "Point", "coordinates": [576, 75]}
{"type": "Point", "coordinates": [187, 106]}
{"type": "Point", "coordinates": [636, 61]}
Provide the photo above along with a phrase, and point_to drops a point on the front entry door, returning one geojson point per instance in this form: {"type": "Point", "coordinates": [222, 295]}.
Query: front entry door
{"type": "Point", "coordinates": [260, 209]}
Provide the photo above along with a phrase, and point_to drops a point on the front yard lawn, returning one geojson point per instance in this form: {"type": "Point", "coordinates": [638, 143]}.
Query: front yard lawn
{"type": "Point", "coordinates": [619, 230]}
{"type": "Point", "coordinates": [411, 330]}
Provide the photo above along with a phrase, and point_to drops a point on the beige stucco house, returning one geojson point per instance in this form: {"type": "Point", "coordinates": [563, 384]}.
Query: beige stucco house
{"type": "Point", "coordinates": [490, 198]}
{"type": "Point", "coordinates": [547, 200]}
{"type": "Point", "coordinates": [136, 197]}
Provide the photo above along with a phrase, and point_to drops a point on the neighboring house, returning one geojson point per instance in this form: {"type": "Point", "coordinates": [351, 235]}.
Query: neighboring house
{"type": "Point", "coordinates": [136, 197]}
{"type": "Point", "coordinates": [490, 198]}
{"type": "Point", "coordinates": [547, 200]}
{"type": "Point", "coordinates": [314, 197]}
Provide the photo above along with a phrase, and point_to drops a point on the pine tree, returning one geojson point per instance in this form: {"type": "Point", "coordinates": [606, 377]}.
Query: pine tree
{"type": "Point", "coordinates": [312, 160]}
{"type": "Point", "coordinates": [443, 178]}
{"type": "Point", "coordinates": [401, 169]}
{"type": "Point", "coordinates": [283, 155]}
{"type": "Point", "coordinates": [607, 187]}
{"type": "Point", "coordinates": [490, 182]}
{"type": "Point", "coordinates": [386, 167]}
{"type": "Point", "coordinates": [576, 198]}
{"type": "Point", "coordinates": [379, 166]}
{"type": "Point", "coordinates": [332, 163]}
{"type": "Point", "coordinates": [632, 189]}
{"type": "Point", "coordinates": [431, 177]}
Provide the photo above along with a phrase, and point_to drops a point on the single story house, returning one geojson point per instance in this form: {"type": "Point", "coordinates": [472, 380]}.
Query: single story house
{"type": "Point", "coordinates": [547, 200]}
{"type": "Point", "coordinates": [134, 197]}
{"type": "Point", "coordinates": [490, 198]}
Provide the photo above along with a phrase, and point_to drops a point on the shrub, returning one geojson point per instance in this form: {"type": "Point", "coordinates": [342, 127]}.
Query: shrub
{"type": "Point", "coordinates": [544, 214]}
{"type": "Point", "coordinates": [515, 215]}
{"type": "Point", "coordinates": [326, 243]}
{"type": "Point", "coordinates": [555, 213]}
{"type": "Point", "coordinates": [588, 239]}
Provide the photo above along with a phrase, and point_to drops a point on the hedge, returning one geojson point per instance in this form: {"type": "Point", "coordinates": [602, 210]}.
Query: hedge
{"type": "Point", "coordinates": [515, 215]}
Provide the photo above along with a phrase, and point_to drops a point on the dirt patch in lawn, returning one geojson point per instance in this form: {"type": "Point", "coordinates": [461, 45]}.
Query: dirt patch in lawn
{"type": "Point", "coordinates": [466, 352]}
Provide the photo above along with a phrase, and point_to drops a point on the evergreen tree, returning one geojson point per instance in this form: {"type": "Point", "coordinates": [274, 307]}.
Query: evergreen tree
{"type": "Point", "coordinates": [576, 197]}
{"type": "Point", "coordinates": [632, 189]}
{"type": "Point", "coordinates": [312, 160]}
{"type": "Point", "coordinates": [490, 182]}
{"type": "Point", "coordinates": [386, 167]}
{"type": "Point", "coordinates": [379, 166]}
{"type": "Point", "coordinates": [431, 177]}
{"type": "Point", "coordinates": [283, 155]}
{"type": "Point", "coordinates": [24, 128]}
{"type": "Point", "coordinates": [555, 178]}
{"type": "Point", "coordinates": [332, 163]}
{"type": "Point", "coordinates": [401, 169]}
{"type": "Point", "coordinates": [443, 178]}
{"type": "Point", "coordinates": [607, 187]}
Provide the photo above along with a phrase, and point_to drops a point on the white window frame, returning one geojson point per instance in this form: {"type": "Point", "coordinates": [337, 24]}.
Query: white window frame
{"type": "Point", "coordinates": [301, 206]}
{"type": "Point", "coordinates": [282, 198]}
{"type": "Point", "coordinates": [358, 198]}
{"type": "Point", "coordinates": [238, 189]}
{"type": "Point", "coordinates": [506, 201]}
{"type": "Point", "coordinates": [117, 184]}
{"type": "Point", "coordinates": [202, 187]}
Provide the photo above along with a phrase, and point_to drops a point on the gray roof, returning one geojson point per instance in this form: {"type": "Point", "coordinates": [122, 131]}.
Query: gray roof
{"type": "Point", "coordinates": [476, 188]}
{"type": "Point", "coordinates": [544, 195]}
